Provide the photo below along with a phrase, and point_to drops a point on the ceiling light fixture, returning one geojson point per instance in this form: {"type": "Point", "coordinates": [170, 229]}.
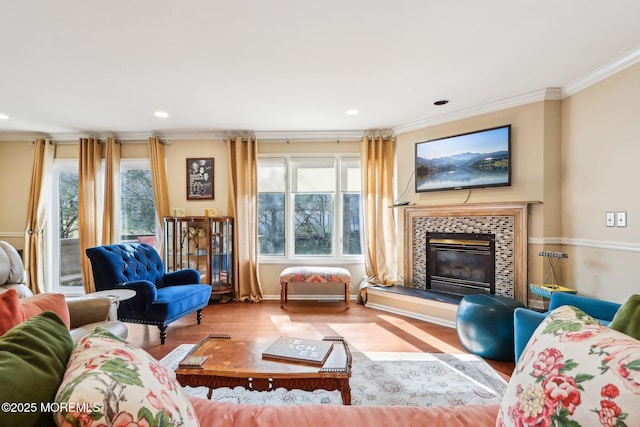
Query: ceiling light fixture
{"type": "Point", "coordinates": [441, 102]}
{"type": "Point", "coordinates": [161, 114]}
{"type": "Point", "coordinates": [352, 112]}
{"type": "Point", "coordinates": [4, 117]}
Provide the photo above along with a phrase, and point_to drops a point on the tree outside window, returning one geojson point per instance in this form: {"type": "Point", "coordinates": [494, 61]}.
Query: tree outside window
{"type": "Point", "coordinates": [315, 201]}
{"type": "Point", "coordinates": [137, 205]}
{"type": "Point", "coordinates": [137, 217]}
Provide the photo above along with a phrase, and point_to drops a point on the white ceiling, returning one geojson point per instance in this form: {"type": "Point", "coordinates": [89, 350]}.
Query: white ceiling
{"type": "Point", "coordinates": [293, 67]}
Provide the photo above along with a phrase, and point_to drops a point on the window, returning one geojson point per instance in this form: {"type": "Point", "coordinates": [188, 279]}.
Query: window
{"type": "Point", "coordinates": [137, 205]}
{"type": "Point", "coordinates": [271, 204]}
{"type": "Point", "coordinates": [137, 218]}
{"type": "Point", "coordinates": [309, 207]}
{"type": "Point", "coordinates": [64, 240]}
{"type": "Point", "coordinates": [351, 206]}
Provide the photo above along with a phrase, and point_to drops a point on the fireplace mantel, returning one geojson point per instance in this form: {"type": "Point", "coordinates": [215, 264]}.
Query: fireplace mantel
{"type": "Point", "coordinates": [508, 221]}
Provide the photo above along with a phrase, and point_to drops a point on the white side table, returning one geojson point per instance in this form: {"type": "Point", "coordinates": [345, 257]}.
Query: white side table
{"type": "Point", "coordinates": [115, 295]}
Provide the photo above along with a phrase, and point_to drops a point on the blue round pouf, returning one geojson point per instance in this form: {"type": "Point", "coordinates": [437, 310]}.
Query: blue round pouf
{"type": "Point", "coordinates": [485, 325]}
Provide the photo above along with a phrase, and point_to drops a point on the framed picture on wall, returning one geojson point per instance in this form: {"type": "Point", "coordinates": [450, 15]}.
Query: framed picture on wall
{"type": "Point", "coordinates": [200, 179]}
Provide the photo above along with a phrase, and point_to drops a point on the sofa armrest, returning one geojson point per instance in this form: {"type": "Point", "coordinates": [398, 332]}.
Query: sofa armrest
{"type": "Point", "coordinates": [145, 290]}
{"type": "Point", "coordinates": [187, 276]}
{"type": "Point", "coordinates": [525, 322]}
{"type": "Point", "coordinates": [146, 294]}
{"type": "Point", "coordinates": [599, 309]}
{"type": "Point", "coordinates": [86, 310]}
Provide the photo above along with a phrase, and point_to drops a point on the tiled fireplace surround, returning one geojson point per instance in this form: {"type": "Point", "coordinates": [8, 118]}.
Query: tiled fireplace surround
{"type": "Point", "coordinates": [507, 221]}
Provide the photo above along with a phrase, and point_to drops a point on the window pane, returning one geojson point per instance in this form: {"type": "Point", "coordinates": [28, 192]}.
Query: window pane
{"type": "Point", "coordinates": [351, 214]}
{"type": "Point", "coordinates": [350, 175]}
{"type": "Point", "coordinates": [271, 205]}
{"type": "Point", "coordinates": [69, 243]}
{"type": "Point", "coordinates": [351, 243]}
{"type": "Point", "coordinates": [313, 175]}
{"type": "Point", "coordinates": [68, 187]}
{"type": "Point", "coordinates": [138, 211]}
{"type": "Point", "coordinates": [313, 224]}
{"type": "Point", "coordinates": [271, 175]}
{"type": "Point", "coordinates": [271, 223]}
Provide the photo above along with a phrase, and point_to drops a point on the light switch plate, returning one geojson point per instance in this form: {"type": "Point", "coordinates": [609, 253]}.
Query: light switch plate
{"type": "Point", "coordinates": [611, 219]}
{"type": "Point", "coordinates": [621, 219]}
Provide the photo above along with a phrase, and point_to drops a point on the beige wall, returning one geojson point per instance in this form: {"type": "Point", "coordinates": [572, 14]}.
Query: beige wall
{"type": "Point", "coordinates": [16, 159]}
{"type": "Point", "coordinates": [176, 153]}
{"type": "Point", "coordinates": [535, 137]}
{"type": "Point", "coordinates": [527, 136]}
{"type": "Point", "coordinates": [15, 168]}
{"type": "Point", "coordinates": [15, 176]}
{"type": "Point", "coordinates": [600, 152]}
{"type": "Point", "coordinates": [574, 159]}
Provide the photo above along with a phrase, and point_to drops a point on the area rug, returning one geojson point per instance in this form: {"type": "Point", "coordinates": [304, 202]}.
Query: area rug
{"type": "Point", "coordinates": [409, 379]}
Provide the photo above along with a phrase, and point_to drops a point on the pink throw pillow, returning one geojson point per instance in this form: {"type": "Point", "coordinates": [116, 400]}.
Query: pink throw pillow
{"type": "Point", "coordinates": [46, 302]}
{"type": "Point", "coordinates": [10, 312]}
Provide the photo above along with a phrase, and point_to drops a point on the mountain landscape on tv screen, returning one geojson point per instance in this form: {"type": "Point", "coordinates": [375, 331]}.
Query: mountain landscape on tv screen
{"type": "Point", "coordinates": [495, 161]}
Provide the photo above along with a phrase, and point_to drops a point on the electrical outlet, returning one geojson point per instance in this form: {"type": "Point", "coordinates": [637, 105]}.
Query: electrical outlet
{"type": "Point", "coordinates": [611, 219]}
{"type": "Point", "coordinates": [621, 219]}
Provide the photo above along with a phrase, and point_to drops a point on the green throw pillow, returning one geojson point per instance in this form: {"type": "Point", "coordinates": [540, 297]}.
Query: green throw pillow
{"type": "Point", "coordinates": [33, 360]}
{"type": "Point", "coordinates": [627, 318]}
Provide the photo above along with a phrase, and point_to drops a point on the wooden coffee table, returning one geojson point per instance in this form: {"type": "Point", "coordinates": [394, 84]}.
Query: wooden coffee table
{"type": "Point", "coordinates": [236, 362]}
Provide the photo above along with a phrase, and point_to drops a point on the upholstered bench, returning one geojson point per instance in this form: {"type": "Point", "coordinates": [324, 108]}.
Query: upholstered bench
{"type": "Point", "coordinates": [314, 275]}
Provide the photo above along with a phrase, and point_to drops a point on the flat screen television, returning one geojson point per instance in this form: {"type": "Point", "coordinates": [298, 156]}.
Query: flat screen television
{"type": "Point", "coordinates": [471, 160]}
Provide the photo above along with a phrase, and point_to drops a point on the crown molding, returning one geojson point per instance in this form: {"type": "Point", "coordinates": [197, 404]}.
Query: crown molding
{"type": "Point", "coordinates": [548, 94]}
{"type": "Point", "coordinates": [602, 73]}
{"type": "Point", "coordinates": [338, 135]}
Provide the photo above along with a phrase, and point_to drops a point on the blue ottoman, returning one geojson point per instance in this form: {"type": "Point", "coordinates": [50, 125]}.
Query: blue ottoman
{"type": "Point", "coordinates": [485, 325]}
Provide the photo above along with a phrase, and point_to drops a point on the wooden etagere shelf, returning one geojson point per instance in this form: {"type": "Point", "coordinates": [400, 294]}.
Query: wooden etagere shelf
{"type": "Point", "coordinates": [203, 243]}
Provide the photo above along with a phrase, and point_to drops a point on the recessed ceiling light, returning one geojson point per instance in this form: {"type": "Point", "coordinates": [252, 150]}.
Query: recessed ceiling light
{"type": "Point", "coordinates": [161, 114]}
{"type": "Point", "coordinates": [352, 112]}
{"type": "Point", "coordinates": [4, 117]}
{"type": "Point", "coordinates": [441, 102]}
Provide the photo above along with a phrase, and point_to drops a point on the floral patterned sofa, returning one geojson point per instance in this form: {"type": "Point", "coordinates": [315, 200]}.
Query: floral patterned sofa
{"type": "Point", "coordinates": [574, 371]}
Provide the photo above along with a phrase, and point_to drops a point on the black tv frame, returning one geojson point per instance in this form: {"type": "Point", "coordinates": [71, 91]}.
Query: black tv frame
{"type": "Point", "coordinates": [459, 143]}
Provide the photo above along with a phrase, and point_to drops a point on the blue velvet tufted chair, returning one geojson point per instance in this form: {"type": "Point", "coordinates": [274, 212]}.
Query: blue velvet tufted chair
{"type": "Point", "coordinates": [160, 297]}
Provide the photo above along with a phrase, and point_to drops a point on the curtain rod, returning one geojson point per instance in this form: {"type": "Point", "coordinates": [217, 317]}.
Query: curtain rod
{"type": "Point", "coordinates": [243, 138]}
{"type": "Point", "coordinates": [101, 141]}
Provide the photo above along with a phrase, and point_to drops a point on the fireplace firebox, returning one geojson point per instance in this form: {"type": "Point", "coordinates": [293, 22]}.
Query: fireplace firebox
{"type": "Point", "coordinates": [461, 263]}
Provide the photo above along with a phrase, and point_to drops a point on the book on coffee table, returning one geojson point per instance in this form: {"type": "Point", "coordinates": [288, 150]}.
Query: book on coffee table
{"type": "Point", "coordinates": [299, 350]}
{"type": "Point", "coordinates": [193, 362]}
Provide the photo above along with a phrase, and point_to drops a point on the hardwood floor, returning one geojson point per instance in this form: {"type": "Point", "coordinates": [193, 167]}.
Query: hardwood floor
{"type": "Point", "coordinates": [365, 329]}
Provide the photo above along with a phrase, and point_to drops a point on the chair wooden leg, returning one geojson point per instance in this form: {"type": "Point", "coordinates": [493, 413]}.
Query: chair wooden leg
{"type": "Point", "coordinates": [163, 333]}
{"type": "Point", "coordinates": [199, 316]}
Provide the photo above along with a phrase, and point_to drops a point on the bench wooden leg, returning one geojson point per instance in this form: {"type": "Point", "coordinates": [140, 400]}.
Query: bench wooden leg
{"type": "Point", "coordinates": [347, 293]}
{"type": "Point", "coordinates": [283, 293]}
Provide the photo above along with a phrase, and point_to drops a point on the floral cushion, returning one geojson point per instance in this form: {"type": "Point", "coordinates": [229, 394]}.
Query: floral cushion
{"type": "Point", "coordinates": [110, 382]}
{"type": "Point", "coordinates": [574, 372]}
